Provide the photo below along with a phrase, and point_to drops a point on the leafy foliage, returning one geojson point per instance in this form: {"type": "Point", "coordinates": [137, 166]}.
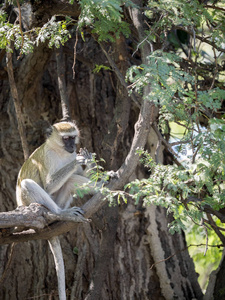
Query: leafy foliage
{"type": "Point", "coordinates": [55, 32]}
{"type": "Point", "coordinates": [98, 68]}
{"type": "Point", "coordinates": [104, 18]}
{"type": "Point", "coordinates": [184, 191]}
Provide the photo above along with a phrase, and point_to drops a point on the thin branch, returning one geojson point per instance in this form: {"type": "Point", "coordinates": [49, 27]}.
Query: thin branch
{"type": "Point", "coordinates": [214, 7]}
{"type": "Point", "coordinates": [216, 70]}
{"type": "Point", "coordinates": [75, 53]}
{"type": "Point", "coordinates": [216, 213]}
{"type": "Point", "coordinates": [213, 225]}
{"type": "Point", "coordinates": [167, 145]}
{"type": "Point", "coordinates": [17, 104]}
{"type": "Point", "coordinates": [195, 153]}
{"type": "Point", "coordinates": [150, 33]}
{"type": "Point", "coordinates": [179, 143]}
{"type": "Point", "coordinates": [215, 228]}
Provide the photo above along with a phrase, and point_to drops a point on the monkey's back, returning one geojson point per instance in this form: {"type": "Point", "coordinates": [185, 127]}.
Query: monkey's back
{"type": "Point", "coordinates": [31, 169]}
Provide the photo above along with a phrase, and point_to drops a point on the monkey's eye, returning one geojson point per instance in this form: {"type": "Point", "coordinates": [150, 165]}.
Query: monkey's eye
{"type": "Point", "coordinates": [66, 137]}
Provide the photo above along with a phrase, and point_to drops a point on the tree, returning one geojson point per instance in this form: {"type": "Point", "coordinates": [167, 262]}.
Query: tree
{"type": "Point", "coordinates": [131, 71]}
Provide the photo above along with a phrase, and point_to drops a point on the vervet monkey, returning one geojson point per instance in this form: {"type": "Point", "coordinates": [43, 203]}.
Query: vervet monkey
{"type": "Point", "coordinates": [48, 177]}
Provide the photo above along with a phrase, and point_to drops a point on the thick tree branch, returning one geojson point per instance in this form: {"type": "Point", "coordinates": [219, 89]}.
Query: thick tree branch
{"type": "Point", "coordinates": [37, 218]}
{"type": "Point", "coordinates": [34, 216]}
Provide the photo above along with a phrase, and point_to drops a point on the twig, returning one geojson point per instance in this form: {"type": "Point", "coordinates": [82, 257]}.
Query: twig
{"type": "Point", "coordinates": [75, 53]}
{"type": "Point", "coordinates": [17, 104]}
{"type": "Point", "coordinates": [167, 145]}
{"type": "Point", "coordinates": [195, 153]}
{"type": "Point", "coordinates": [216, 70]}
{"type": "Point", "coordinates": [146, 38]}
{"type": "Point", "coordinates": [214, 7]}
{"type": "Point", "coordinates": [179, 143]}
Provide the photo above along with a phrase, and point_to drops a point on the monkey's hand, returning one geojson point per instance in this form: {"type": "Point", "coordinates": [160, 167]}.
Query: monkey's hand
{"type": "Point", "coordinates": [112, 175]}
{"type": "Point", "coordinates": [74, 214]}
{"type": "Point", "coordinates": [84, 156]}
{"type": "Point", "coordinates": [105, 179]}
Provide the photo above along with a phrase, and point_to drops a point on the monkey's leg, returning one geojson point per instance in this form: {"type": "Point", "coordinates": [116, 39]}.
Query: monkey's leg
{"type": "Point", "coordinates": [33, 193]}
{"type": "Point", "coordinates": [56, 249]}
{"type": "Point", "coordinates": [64, 195]}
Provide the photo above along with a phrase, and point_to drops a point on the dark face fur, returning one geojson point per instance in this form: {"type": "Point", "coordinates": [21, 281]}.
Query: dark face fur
{"type": "Point", "coordinates": [69, 143]}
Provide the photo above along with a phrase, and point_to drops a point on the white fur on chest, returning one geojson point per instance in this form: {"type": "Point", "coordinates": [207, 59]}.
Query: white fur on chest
{"type": "Point", "coordinates": [56, 160]}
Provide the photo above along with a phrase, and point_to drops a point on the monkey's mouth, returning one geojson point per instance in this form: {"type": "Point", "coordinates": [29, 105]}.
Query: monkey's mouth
{"type": "Point", "coordinates": [70, 150]}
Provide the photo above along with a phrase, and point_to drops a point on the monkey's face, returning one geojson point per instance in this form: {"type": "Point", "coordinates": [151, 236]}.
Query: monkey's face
{"type": "Point", "coordinates": [69, 143]}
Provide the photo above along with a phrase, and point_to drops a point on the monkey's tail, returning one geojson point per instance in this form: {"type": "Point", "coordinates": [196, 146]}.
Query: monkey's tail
{"type": "Point", "coordinates": [56, 249]}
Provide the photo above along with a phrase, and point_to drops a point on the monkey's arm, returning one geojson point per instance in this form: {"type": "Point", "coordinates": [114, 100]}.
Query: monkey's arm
{"type": "Point", "coordinates": [55, 181]}
{"type": "Point", "coordinates": [86, 162]}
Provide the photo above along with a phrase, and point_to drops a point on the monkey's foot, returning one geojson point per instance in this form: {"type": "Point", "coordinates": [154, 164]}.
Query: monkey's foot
{"type": "Point", "coordinates": [74, 214]}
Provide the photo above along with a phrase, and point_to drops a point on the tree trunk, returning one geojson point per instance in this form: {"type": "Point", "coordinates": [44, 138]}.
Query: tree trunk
{"type": "Point", "coordinates": [117, 255]}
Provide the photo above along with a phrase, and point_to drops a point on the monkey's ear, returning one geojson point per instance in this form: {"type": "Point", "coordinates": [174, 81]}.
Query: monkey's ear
{"type": "Point", "coordinates": [49, 131]}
